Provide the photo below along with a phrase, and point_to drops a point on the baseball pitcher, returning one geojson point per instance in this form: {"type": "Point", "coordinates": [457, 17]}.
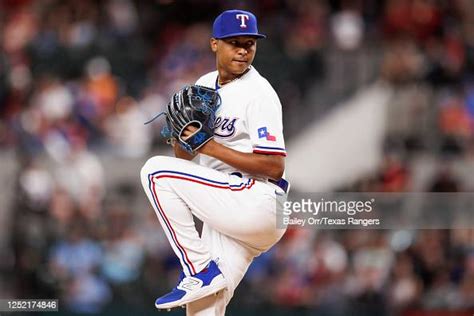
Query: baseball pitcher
{"type": "Point", "coordinates": [227, 135]}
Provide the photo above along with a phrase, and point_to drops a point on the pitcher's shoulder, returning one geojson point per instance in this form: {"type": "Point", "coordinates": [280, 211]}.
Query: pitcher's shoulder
{"type": "Point", "coordinates": [260, 86]}
{"type": "Point", "coordinates": [208, 80]}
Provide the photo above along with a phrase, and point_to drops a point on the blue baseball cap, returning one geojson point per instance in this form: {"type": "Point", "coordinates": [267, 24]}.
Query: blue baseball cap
{"type": "Point", "coordinates": [232, 23]}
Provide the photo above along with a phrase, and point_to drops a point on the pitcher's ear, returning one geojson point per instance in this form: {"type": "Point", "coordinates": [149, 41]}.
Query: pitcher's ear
{"type": "Point", "coordinates": [213, 43]}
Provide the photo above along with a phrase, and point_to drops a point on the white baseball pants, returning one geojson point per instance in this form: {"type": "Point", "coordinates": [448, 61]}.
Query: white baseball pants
{"type": "Point", "coordinates": [239, 216]}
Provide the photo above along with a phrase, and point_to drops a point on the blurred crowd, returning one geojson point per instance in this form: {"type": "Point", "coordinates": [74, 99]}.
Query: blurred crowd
{"type": "Point", "coordinates": [429, 62]}
{"type": "Point", "coordinates": [79, 78]}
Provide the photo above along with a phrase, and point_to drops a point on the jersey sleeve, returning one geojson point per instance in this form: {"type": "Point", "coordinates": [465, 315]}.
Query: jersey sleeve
{"type": "Point", "coordinates": [265, 126]}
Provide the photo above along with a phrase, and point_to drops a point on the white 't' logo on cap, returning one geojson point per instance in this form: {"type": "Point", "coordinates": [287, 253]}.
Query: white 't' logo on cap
{"type": "Point", "coordinates": [243, 18]}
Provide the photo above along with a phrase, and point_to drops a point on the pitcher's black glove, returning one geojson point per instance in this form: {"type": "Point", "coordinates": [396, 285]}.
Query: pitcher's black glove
{"type": "Point", "coordinates": [192, 106]}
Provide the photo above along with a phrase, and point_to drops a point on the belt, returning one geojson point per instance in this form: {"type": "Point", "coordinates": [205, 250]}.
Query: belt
{"type": "Point", "coordinates": [282, 183]}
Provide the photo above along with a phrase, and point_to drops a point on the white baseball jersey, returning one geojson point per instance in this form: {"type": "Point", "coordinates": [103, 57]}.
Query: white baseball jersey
{"type": "Point", "coordinates": [249, 118]}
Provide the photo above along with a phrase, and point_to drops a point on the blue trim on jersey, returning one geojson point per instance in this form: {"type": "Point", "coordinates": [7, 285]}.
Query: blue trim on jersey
{"type": "Point", "coordinates": [275, 148]}
{"type": "Point", "coordinates": [168, 227]}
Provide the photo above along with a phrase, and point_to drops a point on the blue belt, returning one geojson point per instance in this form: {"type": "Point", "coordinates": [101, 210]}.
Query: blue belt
{"type": "Point", "coordinates": [282, 183]}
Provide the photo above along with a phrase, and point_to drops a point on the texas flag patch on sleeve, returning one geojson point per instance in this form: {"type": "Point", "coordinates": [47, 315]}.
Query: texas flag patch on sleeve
{"type": "Point", "coordinates": [264, 133]}
{"type": "Point", "coordinates": [263, 146]}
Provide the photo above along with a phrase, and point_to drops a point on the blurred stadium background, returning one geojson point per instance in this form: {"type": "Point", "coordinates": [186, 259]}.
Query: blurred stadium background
{"type": "Point", "coordinates": [377, 96]}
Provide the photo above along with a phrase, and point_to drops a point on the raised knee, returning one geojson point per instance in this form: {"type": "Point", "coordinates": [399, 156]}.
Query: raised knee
{"type": "Point", "coordinates": [155, 164]}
